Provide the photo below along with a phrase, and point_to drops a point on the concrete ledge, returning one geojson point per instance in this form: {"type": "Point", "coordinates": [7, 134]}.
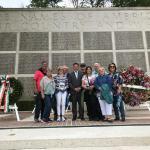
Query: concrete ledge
{"type": "Point", "coordinates": [74, 143]}
{"type": "Point", "coordinates": [77, 9]}
{"type": "Point", "coordinates": [75, 133]}
{"type": "Point", "coordinates": [78, 138]}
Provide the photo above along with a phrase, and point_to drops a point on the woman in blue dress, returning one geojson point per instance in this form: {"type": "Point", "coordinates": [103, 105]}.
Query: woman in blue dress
{"type": "Point", "coordinates": [103, 83]}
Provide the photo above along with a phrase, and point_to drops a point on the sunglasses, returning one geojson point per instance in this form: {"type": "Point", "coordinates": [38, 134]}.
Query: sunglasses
{"type": "Point", "coordinates": [112, 66]}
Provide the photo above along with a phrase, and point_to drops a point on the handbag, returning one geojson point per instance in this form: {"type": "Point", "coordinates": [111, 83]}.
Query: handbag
{"type": "Point", "coordinates": [89, 91]}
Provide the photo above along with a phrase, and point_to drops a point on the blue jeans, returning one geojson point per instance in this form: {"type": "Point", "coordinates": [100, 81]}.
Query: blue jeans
{"type": "Point", "coordinates": [118, 106]}
{"type": "Point", "coordinates": [47, 108]}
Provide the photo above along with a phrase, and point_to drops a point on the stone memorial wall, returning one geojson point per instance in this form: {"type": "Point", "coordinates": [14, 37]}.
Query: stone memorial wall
{"type": "Point", "coordinates": [65, 36]}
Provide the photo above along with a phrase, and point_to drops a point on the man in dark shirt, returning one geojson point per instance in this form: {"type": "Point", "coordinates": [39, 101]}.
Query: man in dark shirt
{"type": "Point", "coordinates": [83, 68]}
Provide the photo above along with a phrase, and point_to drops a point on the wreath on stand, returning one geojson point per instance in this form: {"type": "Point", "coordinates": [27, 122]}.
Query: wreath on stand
{"type": "Point", "coordinates": [12, 90]}
{"type": "Point", "coordinates": [17, 90]}
{"type": "Point", "coordinates": [136, 88]}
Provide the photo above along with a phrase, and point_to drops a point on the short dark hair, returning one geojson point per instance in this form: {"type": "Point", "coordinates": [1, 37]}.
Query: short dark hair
{"type": "Point", "coordinates": [76, 64]}
{"type": "Point", "coordinates": [44, 62]}
{"type": "Point", "coordinates": [82, 65]}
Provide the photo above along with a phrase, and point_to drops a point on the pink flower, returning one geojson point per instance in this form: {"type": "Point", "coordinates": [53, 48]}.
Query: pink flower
{"type": "Point", "coordinates": [131, 68]}
{"type": "Point", "coordinates": [135, 76]}
{"type": "Point", "coordinates": [147, 85]}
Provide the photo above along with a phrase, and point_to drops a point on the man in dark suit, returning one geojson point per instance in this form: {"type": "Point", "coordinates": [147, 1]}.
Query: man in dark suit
{"type": "Point", "coordinates": [75, 82]}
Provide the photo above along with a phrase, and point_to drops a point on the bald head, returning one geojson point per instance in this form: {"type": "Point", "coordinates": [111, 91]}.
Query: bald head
{"type": "Point", "coordinates": [96, 66]}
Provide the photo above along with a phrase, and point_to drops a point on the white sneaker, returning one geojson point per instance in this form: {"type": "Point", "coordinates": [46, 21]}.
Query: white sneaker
{"type": "Point", "coordinates": [58, 119]}
{"type": "Point", "coordinates": [63, 119]}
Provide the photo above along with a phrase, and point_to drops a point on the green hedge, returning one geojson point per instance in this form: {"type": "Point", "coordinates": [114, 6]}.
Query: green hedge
{"type": "Point", "coordinates": [17, 87]}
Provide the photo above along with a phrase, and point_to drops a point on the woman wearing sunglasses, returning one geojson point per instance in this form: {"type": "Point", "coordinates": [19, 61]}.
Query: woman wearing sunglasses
{"type": "Point", "coordinates": [118, 104]}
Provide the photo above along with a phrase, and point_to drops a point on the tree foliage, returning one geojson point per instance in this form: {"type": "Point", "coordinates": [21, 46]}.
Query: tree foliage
{"type": "Point", "coordinates": [44, 3]}
{"type": "Point", "coordinates": [89, 3]}
{"type": "Point", "coordinates": [93, 3]}
{"type": "Point", "coordinates": [130, 3]}
{"type": "Point", "coordinates": [115, 3]}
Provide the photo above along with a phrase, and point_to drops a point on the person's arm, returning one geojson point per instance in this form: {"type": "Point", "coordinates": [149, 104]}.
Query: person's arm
{"type": "Point", "coordinates": [83, 84]}
{"type": "Point", "coordinates": [92, 83]}
{"type": "Point", "coordinates": [35, 88]}
{"type": "Point", "coordinates": [78, 89]}
{"type": "Point", "coordinates": [53, 84]}
{"type": "Point", "coordinates": [55, 80]}
{"type": "Point", "coordinates": [42, 88]}
{"type": "Point", "coordinates": [120, 82]}
{"type": "Point", "coordinates": [91, 87]}
{"type": "Point", "coordinates": [96, 84]}
{"type": "Point", "coordinates": [34, 83]}
{"type": "Point", "coordinates": [66, 83]}
{"type": "Point", "coordinates": [70, 82]}
{"type": "Point", "coordinates": [109, 81]}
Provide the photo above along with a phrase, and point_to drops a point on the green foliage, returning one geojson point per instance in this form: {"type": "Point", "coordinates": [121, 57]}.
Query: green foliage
{"type": "Point", "coordinates": [44, 3]}
{"type": "Point", "coordinates": [93, 3]}
{"type": "Point", "coordinates": [131, 3]}
{"type": "Point", "coordinates": [17, 87]}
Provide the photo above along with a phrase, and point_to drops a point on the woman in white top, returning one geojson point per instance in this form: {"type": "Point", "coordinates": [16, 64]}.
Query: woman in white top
{"type": "Point", "coordinates": [93, 108]}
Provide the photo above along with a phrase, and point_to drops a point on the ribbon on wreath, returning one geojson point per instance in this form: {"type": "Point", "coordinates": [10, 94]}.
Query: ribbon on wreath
{"type": "Point", "coordinates": [5, 92]}
{"type": "Point", "coordinates": [136, 87]}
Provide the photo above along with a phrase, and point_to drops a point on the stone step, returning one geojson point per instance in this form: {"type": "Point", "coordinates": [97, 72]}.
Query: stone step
{"type": "Point", "coordinates": [100, 148]}
{"type": "Point", "coordinates": [74, 143]}
{"type": "Point", "coordinates": [69, 138]}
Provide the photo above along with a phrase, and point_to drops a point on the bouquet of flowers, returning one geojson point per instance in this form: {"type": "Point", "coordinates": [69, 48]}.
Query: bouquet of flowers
{"type": "Point", "coordinates": [135, 76]}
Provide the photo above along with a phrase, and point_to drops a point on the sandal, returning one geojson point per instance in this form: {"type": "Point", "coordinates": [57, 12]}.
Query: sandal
{"type": "Point", "coordinates": [105, 119]}
{"type": "Point", "coordinates": [109, 120]}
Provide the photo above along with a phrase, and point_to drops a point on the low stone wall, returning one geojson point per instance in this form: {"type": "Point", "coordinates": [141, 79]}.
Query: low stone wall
{"type": "Point", "coordinates": [64, 36]}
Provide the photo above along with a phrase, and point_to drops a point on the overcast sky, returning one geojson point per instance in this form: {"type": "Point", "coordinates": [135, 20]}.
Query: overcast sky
{"type": "Point", "coordinates": [24, 3]}
{"type": "Point", "coordinates": [14, 3]}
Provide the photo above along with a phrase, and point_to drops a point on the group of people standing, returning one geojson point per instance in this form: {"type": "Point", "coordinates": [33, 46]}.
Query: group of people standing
{"type": "Point", "coordinates": [101, 91]}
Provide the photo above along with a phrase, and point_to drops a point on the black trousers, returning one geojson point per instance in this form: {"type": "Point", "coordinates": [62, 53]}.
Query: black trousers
{"type": "Point", "coordinates": [76, 98]}
{"type": "Point", "coordinates": [93, 107]}
{"type": "Point", "coordinates": [39, 106]}
{"type": "Point", "coordinates": [54, 106]}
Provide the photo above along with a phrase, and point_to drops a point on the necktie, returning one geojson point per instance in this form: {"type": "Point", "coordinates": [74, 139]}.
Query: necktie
{"type": "Point", "coordinates": [76, 73]}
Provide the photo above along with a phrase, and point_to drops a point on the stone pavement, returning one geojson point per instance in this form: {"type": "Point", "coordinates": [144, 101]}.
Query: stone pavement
{"type": "Point", "coordinates": [134, 116]}
{"type": "Point", "coordinates": [118, 137]}
{"type": "Point", "coordinates": [133, 134]}
{"type": "Point", "coordinates": [99, 148]}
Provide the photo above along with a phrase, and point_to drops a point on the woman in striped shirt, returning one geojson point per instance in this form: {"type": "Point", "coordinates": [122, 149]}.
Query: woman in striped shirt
{"type": "Point", "coordinates": [61, 82]}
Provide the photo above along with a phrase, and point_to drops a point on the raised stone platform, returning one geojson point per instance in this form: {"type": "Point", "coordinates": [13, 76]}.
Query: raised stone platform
{"type": "Point", "coordinates": [94, 138]}
{"type": "Point", "coordinates": [135, 116]}
{"type": "Point", "coordinates": [132, 134]}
